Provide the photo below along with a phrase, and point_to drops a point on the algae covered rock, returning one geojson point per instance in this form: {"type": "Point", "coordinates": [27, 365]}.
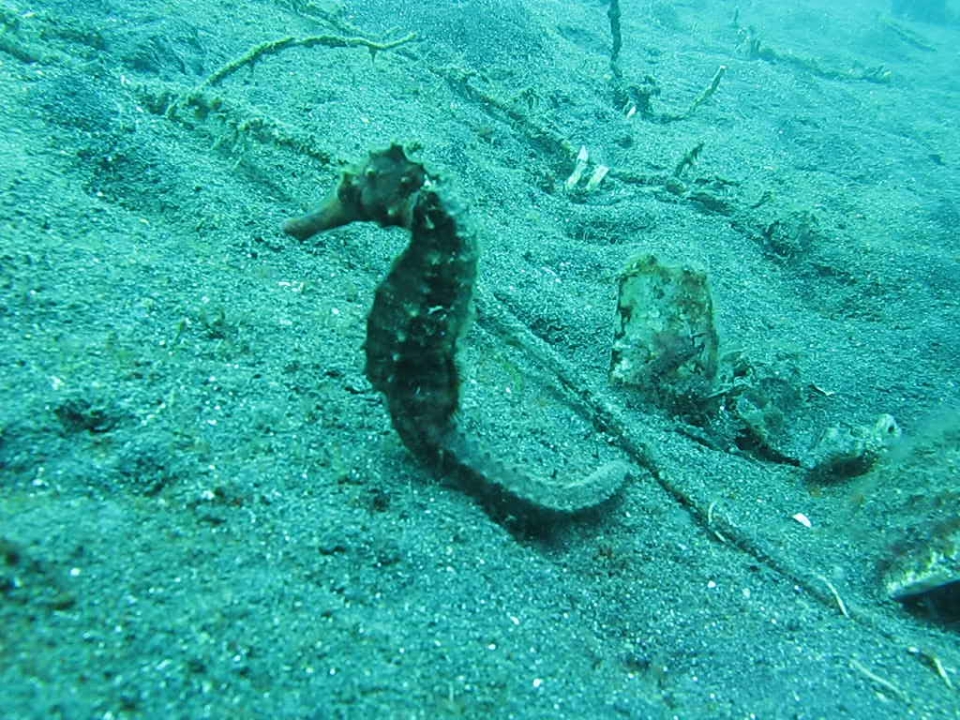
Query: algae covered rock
{"type": "Point", "coordinates": [764, 409]}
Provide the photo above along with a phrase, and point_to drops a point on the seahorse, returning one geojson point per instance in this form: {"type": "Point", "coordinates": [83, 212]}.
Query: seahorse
{"type": "Point", "coordinates": [419, 314]}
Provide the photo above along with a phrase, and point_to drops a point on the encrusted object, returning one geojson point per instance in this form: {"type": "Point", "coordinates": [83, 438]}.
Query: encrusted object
{"type": "Point", "coordinates": [928, 568]}
{"type": "Point", "coordinates": [665, 342]}
{"type": "Point", "coordinates": [419, 313]}
{"type": "Point", "coordinates": [848, 452]}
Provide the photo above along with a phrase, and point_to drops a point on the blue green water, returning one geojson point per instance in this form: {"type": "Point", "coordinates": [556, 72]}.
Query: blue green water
{"type": "Point", "coordinates": [204, 508]}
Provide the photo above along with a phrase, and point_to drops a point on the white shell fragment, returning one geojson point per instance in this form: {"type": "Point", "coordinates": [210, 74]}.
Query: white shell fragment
{"type": "Point", "coordinates": [582, 158]}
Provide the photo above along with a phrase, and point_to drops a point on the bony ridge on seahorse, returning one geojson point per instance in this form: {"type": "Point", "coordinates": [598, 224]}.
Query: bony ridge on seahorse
{"type": "Point", "coordinates": [419, 313]}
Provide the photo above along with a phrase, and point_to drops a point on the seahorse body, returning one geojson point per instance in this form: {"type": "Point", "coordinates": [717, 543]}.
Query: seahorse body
{"type": "Point", "coordinates": [419, 314]}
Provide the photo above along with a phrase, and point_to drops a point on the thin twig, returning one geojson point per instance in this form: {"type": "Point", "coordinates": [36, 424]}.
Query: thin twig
{"type": "Point", "coordinates": [274, 46]}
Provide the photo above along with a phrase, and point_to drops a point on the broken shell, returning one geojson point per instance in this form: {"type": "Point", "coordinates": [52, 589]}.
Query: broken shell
{"type": "Point", "coordinates": [598, 175]}
{"type": "Point", "coordinates": [582, 157]}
